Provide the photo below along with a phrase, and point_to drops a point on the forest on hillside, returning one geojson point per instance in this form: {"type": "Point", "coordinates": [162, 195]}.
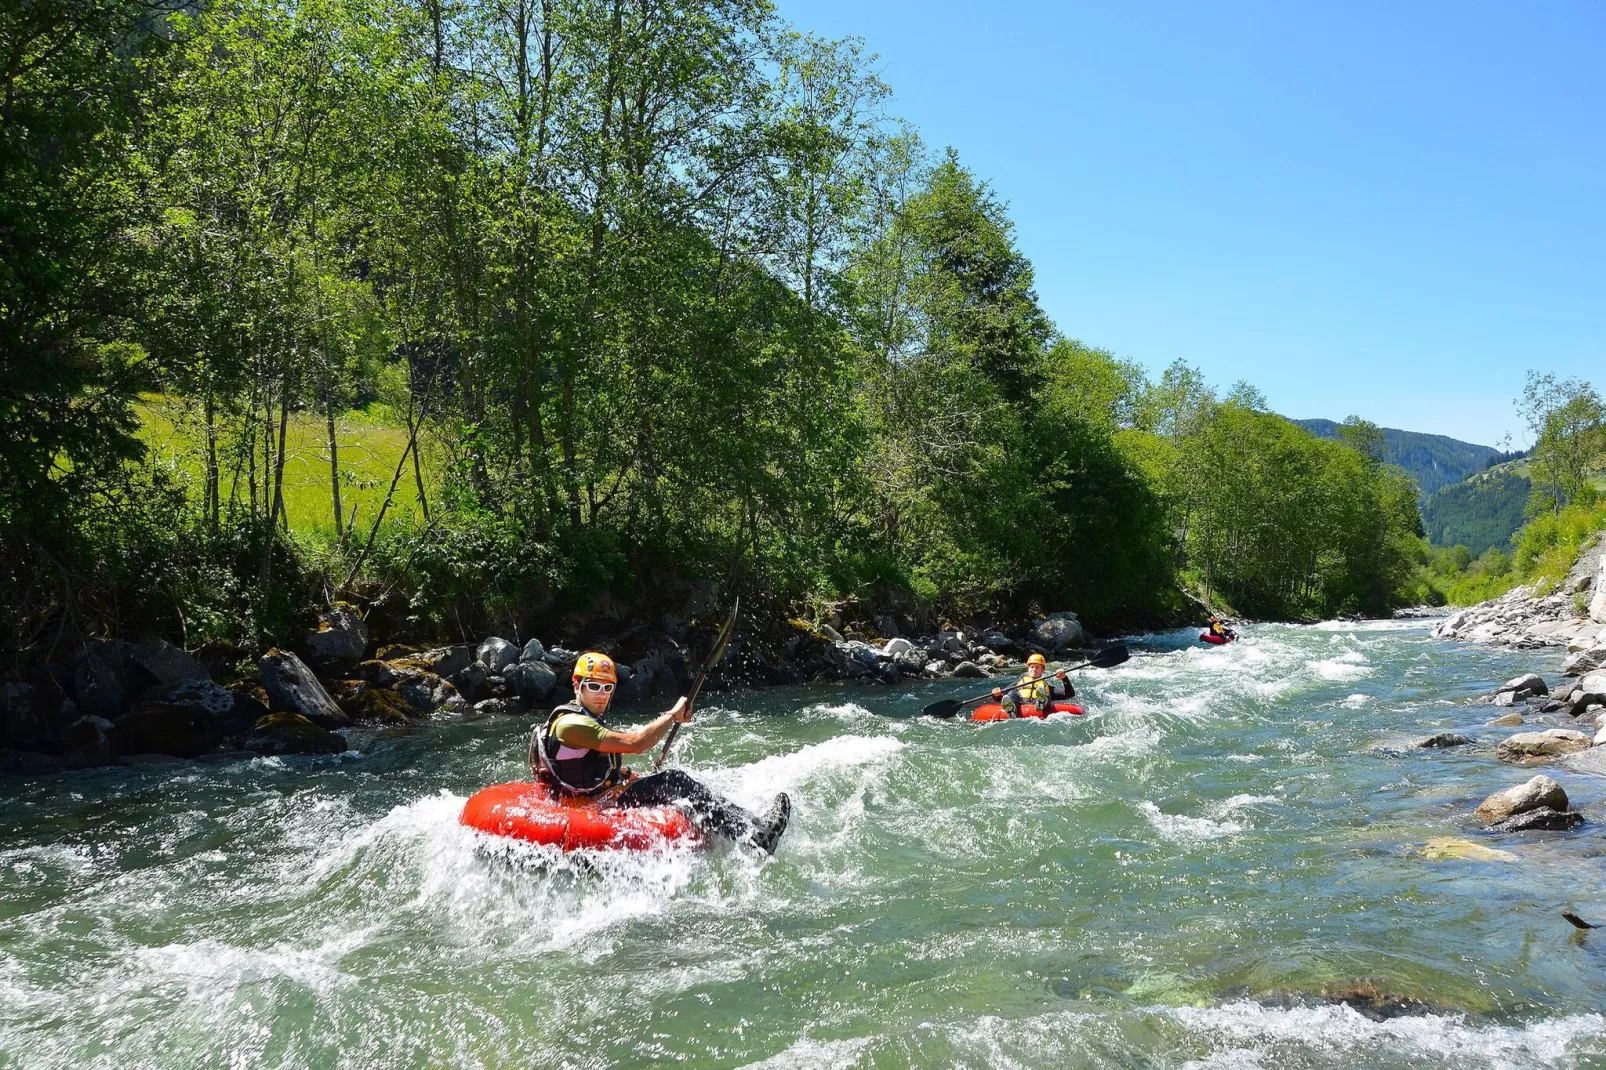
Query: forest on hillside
{"type": "Point", "coordinates": [628, 297]}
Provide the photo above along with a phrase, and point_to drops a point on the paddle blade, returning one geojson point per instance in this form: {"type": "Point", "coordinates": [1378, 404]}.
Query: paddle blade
{"type": "Point", "coordinates": [1110, 656]}
{"type": "Point", "coordinates": [944, 708]}
{"type": "Point", "coordinates": [725, 633]}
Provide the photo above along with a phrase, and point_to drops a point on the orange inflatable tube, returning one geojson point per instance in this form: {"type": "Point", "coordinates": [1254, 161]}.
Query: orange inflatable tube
{"type": "Point", "coordinates": [992, 711]}
{"type": "Point", "coordinates": [526, 811]}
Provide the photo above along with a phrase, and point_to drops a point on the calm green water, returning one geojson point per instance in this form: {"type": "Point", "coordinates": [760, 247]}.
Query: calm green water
{"type": "Point", "coordinates": [1155, 884]}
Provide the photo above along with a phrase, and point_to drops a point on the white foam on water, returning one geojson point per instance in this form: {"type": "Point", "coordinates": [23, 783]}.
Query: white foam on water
{"type": "Point", "coordinates": [1347, 666]}
{"type": "Point", "coordinates": [789, 772]}
{"type": "Point", "coordinates": [1180, 828]}
{"type": "Point", "coordinates": [806, 1053]}
{"type": "Point", "coordinates": [1355, 702]}
{"type": "Point", "coordinates": [1246, 1034]}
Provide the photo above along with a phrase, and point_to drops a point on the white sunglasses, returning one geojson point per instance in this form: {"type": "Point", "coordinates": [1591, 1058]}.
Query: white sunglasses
{"type": "Point", "coordinates": [597, 688]}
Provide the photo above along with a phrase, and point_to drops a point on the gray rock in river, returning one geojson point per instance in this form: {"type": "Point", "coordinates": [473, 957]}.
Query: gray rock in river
{"type": "Point", "coordinates": [1527, 747]}
{"type": "Point", "coordinates": [896, 648]}
{"type": "Point", "coordinates": [1445, 739]}
{"type": "Point", "coordinates": [166, 663]}
{"type": "Point", "coordinates": [1585, 661]}
{"type": "Point", "coordinates": [1059, 631]}
{"type": "Point", "coordinates": [336, 644]}
{"type": "Point", "coordinates": [534, 681]}
{"type": "Point", "coordinates": [969, 670]}
{"type": "Point", "coordinates": [291, 733]}
{"type": "Point", "coordinates": [1523, 686]}
{"type": "Point", "coordinates": [292, 688]}
{"type": "Point", "coordinates": [1542, 819]}
{"type": "Point", "coordinates": [497, 654]}
{"type": "Point", "coordinates": [1539, 792]}
{"type": "Point", "coordinates": [533, 651]}
{"type": "Point", "coordinates": [445, 661]}
{"type": "Point", "coordinates": [91, 741]}
{"type": "Point", "coordinates": [1507, 720]}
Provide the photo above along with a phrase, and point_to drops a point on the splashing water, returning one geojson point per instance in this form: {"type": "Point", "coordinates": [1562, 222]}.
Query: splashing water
{"type": "Point", "coordinates": [1181, 878]}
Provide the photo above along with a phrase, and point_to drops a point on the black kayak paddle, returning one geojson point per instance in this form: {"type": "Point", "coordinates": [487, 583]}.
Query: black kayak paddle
{"type": "Point", "coordinates": [1108, 658]}
{"type": "Point", "coordinates": [697, 685]}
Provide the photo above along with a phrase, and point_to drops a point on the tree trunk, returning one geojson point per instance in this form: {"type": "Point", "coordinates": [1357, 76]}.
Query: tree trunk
{"type": "Point", "coordinates": [334, 466]}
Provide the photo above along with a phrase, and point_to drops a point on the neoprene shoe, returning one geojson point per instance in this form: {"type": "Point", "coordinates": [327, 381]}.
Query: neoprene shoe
{"type": "Point", "coordinates": [771, 826]}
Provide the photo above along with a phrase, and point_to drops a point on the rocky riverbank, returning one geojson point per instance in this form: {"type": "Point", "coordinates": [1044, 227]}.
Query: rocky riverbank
{"type": "Point", "coordinates": [108, 701]}
{"type": "Point", "coordinates": [1572, 615]}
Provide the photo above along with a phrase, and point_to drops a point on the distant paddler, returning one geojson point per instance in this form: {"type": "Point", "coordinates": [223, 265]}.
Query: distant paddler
{"type": "Point", "coordinates": [576, 754]}
{"type": "Point", "coordinates": [1033, 689]}
{"type": "Point", "coordinates": [1221, 631]}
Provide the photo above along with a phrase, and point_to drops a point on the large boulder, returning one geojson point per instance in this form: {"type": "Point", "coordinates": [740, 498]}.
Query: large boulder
{"type": "Point", "coordinates": [1538, 792]}
{"type": "Point", "coordinates": [100, 680]}
{"type": "Point", "coordinates": [291, 733]}
{"type": "Point", "coordinates": [533, 651]}
{"type": "Point", "coordinates": [428, 693]}
{"type": "Point", "coordinates": [471, 681]}
{"type": "Point", "coordinates": [1519, 688]}
{"type": "Point", "coordinates": [91, 741]}
{"type": "Point", "coordinates": [1590, 691]}
{"type": "Point", "coordinates": [993, 639]}
{"type": "Point", "coordinates": [1525, 747]}
{"type": "Point", "coordinates": [1058, 632]}
{"type": "Point", "coordinates": [366, 703]}
{"type": "Point", "coordinates": [205, 697]}
{"type": "Point", "coordinates": [445, 661]}
{"type": "Point", "coordinates": [164, 663]}
{"type": "Point", "coordinates": [292, 688]}
{"type": "Point", "coordinates": [854, 658]}
{"type": "Point", "coordinates": [1582, 663]}
{"type": "Point", "coordinates": [167, 728]}
{"type": "Point", "coordinates": [497, 654]}
{"type": "Point", "coordinates": [1543, 819]}
{"type": "Point", "coordinates": [532, 681]}
{"type": "Point", "coordinates": [897, 647]}
{"type": "Point", "coordinates": [337, 643]}
{"type": "Point", "coordinates": [969, 670]}
{"type": "Point", "coordinates": [1444, 739]}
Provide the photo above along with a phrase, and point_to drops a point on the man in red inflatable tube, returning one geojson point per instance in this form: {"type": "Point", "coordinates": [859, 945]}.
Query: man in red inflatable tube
{"type": "Point", "coordinates": [576, 754]}
{"type": "Point", "coordinates": [1032, 688]}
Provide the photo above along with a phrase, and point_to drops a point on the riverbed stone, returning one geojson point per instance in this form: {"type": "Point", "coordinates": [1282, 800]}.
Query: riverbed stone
{"type": "Point", "coordinates": [1541, 791]}
{"type": "Point", "coordinates": [1523, 686]}
{"type": "Point", "coordinates": [897, 647]}
{"type": "Point", "coordinates": [1590, 690]}
{"type": "Point", "coordinates": [292, 688]}
{"type": "Point", "coordinates": [1537, 746]}
{"type": "Point", "coordinates": [1058, 631]}
{"type": "Point", "coordinates": [445, 661]}
{"type": "Point", "coordinates": [969, 670]}
{"type": "Point", "coordinates": [1444, 739]}
{"type": "Point", "coordinates": [165, 663]}
{"type": "Point", "coordinates": [1507, 720]}
{"type": "Point", "coordinates": [368, 704]}
{"type": "Point", "coordinates": [1584, 661]}
{"type": "Point", "coordinates": [90, 741]}
{"type": "Point", "coordinates": [532, 681]}
{"type": "Point", "coordinates": [1544, 818]}
{"type": "Point", "coordinates": [167, 728]}
{"type": "Point", "coordinates": [337, 642]}
{"type": "Point", "coordinates": [100, 679]}
{"type": "Point", "coordinates": [291, 733]}
{"type": "Point", "coordinates": [1444, 848]}
{"type": "Point", "coordinates": [497, 706]}
{"type": "Point", "coordinates": [533, 651]}
{"type": "Point", "coordinates": [497, 654]}
{"type": "Point", "coordinates": [428, 693]}
{"type": "Point", "coordinates": [470, 681]}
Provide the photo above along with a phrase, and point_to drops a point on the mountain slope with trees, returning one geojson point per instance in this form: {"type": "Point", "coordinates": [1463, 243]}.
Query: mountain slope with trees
{"type": "Point", "coordinates": [1433, 461]}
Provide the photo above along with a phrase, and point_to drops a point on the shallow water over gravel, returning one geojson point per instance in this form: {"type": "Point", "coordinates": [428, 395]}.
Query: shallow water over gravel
{"type": "Point", "coordinates": [1165, 882]}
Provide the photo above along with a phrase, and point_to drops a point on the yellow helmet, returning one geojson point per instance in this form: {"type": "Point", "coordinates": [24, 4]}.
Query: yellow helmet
{"type": "Point", "coordinates": [1037, 659]}
{"type": "Point", "coordinates": [593, 665]}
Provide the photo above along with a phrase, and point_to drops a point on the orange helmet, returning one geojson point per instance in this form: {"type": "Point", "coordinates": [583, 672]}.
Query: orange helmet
{"type": "Point", "coordinates": [1037, 659]}
{"type": "Point", "coordinates": [593, 665]}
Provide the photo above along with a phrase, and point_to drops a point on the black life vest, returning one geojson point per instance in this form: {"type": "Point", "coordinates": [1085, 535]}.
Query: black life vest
{"type": "Point", "coordinates": [572, 770]}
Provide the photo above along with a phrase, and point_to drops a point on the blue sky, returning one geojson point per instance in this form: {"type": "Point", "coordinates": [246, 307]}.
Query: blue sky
{"type": "Point", "coordinates": [1389, 209]}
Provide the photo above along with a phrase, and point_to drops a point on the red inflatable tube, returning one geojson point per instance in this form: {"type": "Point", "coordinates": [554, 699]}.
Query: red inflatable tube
{"type": "Point", "coordinates": [995, 712]}
{"type": "Point", "coordinates": [526, 811]}
{"type": "Point", "coordinates": [1213, 640]}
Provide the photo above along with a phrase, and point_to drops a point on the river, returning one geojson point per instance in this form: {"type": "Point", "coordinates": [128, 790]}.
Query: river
{"type": "Point", "coordinates": [1172, 880]}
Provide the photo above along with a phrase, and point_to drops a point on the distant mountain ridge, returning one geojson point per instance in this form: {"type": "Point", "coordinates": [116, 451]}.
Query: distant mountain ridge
{"type": "Point", "coordinates": [1433, 461]}
{"type": "Point", "coordinates": [1484, 510]}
